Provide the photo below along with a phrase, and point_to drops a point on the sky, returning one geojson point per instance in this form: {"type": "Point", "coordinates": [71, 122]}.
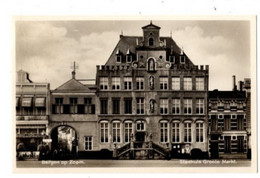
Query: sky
{"type": "Point", "coordinates": [47, 49]}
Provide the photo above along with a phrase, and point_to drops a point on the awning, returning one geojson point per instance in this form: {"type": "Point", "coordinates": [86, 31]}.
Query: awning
{"type": "Point", "coordinates": [40, 102]}
{"type": "Point", "coordinates": [27, 102]}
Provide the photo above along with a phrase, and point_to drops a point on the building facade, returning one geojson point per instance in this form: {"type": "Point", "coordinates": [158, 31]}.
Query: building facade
{"type": "Point", "coordinates": [32, 115]}
{"type": "Point", "coordinates": [150, 91]}
{"type": "Point", "coordinates": [228, 123]}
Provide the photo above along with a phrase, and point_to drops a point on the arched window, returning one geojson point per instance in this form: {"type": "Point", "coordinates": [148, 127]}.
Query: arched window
{"type": "Point", "coordinates": [140, 125]}
{"type": "Point", "coordinates": [199, 131]}
{"type": "Point", "coordinates": [187, 131]}
{"type": "Point", "coordinates": [128, 130]}
{"type": "Point", "coordinates": [151, 42]}
{"type": "Point", "coordinates": [176, 131]}
{"type": "Point", "coordinates": [104, 131]}
{"type": "Point", "coordinates": [116, 131]}
{"type": "Point", "coordinates": [151, 64]}
{"type": "Point", "coordinates": [164, 131]}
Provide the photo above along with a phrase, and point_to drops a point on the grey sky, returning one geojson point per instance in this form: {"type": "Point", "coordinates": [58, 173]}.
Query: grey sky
{"type": "Point", "coordinates": [46, 49]}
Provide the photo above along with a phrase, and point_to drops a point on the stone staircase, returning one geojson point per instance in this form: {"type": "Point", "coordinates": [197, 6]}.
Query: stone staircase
{"type": "Point", "coordinates": [141, 151]}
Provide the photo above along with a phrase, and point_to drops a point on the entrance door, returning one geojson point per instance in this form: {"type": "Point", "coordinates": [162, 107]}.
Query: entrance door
{"type": "Point", "coordinates": [140, 136]}
{"type": "Point", "coordinates": [214, 149]}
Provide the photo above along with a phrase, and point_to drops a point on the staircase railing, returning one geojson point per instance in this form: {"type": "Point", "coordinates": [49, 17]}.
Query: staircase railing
{"type": "Point", "coordinates": [122, 150]}
{"type": "Point", "coordinates": [163, 151]}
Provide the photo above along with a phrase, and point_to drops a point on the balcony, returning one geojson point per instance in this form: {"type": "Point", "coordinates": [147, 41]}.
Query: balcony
{"type": "Point", "coordinates": [32, 118]}
{"type": "Point", "coordinates": [29, 135]}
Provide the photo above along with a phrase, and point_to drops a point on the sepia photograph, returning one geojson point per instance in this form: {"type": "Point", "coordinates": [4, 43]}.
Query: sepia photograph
{"type": "Point", "coordinates": [169, 93]}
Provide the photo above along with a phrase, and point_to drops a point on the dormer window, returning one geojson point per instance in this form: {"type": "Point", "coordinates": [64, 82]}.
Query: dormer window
{"type": "Point", "coordinates": [172, 59]}
{"type": "Point", "coordinates": [182, 59]}
{"type": "Point", "coordinates": [118, 58]}
{"type": "Point", "coordinates": [129, 58]}
{"type": "Point", "coordinates": [151, 42]}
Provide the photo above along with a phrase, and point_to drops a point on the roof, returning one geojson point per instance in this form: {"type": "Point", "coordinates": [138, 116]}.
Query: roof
{"type": "Point", "coordinates": [215, 94]}
{"type": "Point", "coordinates": [151, 25]}
{"type": "Point", "coordinates": [72, 86]}
{"type": "Point", "coordinates": [130, 43]}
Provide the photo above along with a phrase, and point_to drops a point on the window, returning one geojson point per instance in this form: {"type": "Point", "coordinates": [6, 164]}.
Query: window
{"type": "Point", "coordinates": [164, 131]}
{"type": "Point", "coordinates": [176, 106]}
{"type": "Point", "coordinates": [187, 106]}
{"type": "Point", "coordinates": [115, 83]}
{"type": "Point", "coordinates": [199, 132]}
{"type": "Point", "coordinates": [88, 143]}
{"type": "Point", "coordinates": [116, 131]}
{"type": "Point", "coordinates": [128, 105]}
{"type": "Point", "coordinates": [104, 132]}
{"type": "Point", "coordinates": [116, 105]}
{"type": "Point", "coordinates": [151, 42]}
{"type": "Point", "coordinates": [213, 122]}
{"type": "Point", "coordinates": [58, 105]}
{"type": "Point", "coordinates": [129, 58]}
{"type": "Point", "coordinates": [103, 106]}
{"type": "Point", "coordinates": [187, 83]}
{"type": "Point", "coordinates": [118, 58]}
{"type": "Point", "coordinates": [171, 59]}
{"type": "Point", "coordinates": [139, 83]}
{"type": "Point", "coordinates": [128, 83]}
{"type": "Point", "coordinates": [187, 132]}
{"type": "Point", "coordinates": [175, 131]}
{"type": "Point", "coordinates": [199, 106]}
{"type": "Point", "coordinates": [140, 105]}
{"type": "Point", "coordinates": [164, 106]}
{"type": "Point", "coordinates": [182, 59]}
{"type": "Point", "coordinates": [240, 122]}
{"type": "Point", "coordinates": [140, 125]}
{"type": "Point", "coordinates": [227, 144]}
{"type": "Point", "coordinates": [175, 83]}
{"type": "Point", "coordinates": [163, 83]}
{"type": "Point", "coordinates": [89, 107]}
{"type": "Point", "coordinates": [240, 144]}
{"type": "Point", "coordinates": [73, 105]}
{"type": "Point", "coordinates": [199, 83]}
{"type": "Point", "coordinates": [103, 83]}
{"type": "Point", "coordinates": [227, 122]}
{"type": "Point", "coordinates": [128, 131]}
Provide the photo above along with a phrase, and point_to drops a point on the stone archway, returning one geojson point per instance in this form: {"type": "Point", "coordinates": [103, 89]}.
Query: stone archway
{"type": "Point", "coordinates": [64, 142]}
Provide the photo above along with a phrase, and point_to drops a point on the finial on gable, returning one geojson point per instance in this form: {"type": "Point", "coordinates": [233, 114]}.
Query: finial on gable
{"type": "Point", "coordinates": [74, 66]}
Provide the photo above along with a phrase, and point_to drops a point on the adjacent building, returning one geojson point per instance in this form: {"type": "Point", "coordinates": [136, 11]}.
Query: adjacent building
{"type": "Point", "coordinates": [32, 114]}
{"type": "Point", "coordinates": [228, 123]}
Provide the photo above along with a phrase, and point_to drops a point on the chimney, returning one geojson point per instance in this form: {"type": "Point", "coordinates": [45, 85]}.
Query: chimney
{"type": "Point", "coordinates": [241, 85]}
{"type": "Point", "coordinates": [234, 83]}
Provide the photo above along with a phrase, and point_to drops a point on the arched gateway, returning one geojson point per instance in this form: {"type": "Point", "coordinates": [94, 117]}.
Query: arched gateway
{"type": "Point", "coordinates": [64, 142]}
